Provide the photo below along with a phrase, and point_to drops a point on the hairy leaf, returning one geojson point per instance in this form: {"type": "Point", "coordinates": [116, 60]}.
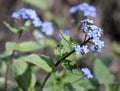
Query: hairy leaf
{"type": "Point", "coordinates": [22, 47]}
{"type": "Point", "coordinates": [11, 27]}
{"type": "Point", "coordinates": [72, 67]}
{"type": "Point", "coordinates": [23, 75]}
{"type": "Point", "coordinates": [102, 73]}
{"type": "Point", "coordinates": [116, 49]}
{"type": "Point", "coordinates": [41, 61]}
{"type": "Point", "coordinates": [45, 41]}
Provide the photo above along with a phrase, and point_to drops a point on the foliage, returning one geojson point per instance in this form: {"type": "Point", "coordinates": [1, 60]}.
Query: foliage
{"type": "Point", "coordinates": [26, 58]}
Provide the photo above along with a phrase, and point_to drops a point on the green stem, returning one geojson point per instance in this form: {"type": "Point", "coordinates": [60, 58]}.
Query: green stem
{"type": "Point", "coordinates": [107, 87]}
{"type": "Point", "coordinates": [59, 61]}
{"type": "Point", "coordinates": [7, 71]}
{"type": "Point", "coordinates": [8, 65]}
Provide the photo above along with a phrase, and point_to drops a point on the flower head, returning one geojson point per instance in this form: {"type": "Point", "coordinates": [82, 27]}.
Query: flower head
{"type": "Point", "coordinates": [95, 48]}
{"type": "Point", "coordinates": [47, 28]}
{"type": "Point", "coordinates": [83, 6]}
{"type": "Point", "coordinates": [25, 13]}
{"type": "Point", "coordinates": [81, 50]}
{"type": "Point", "coordinates": [73, 9]}
{"type": "Point", "coordinates": [87, 21]}
{"type": "Point", "coordinates": [94, 33]}
{"type": "Point", "coordinates": [37, 22]}
{"type": "Point", "coordinates": [87, 72]}
{"type": "Point", "coordinates": [88, 10]}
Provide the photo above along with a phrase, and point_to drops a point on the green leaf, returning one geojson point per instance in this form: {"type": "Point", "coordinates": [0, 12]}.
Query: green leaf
{"type": "Point", "coordinates": [42, 61]}
{"type": "Point", "coordinates": [22, 47]}
{"type": "Point", "coordinates": [19, 67]}
{"type": "Point", "coordinates": [74, 57]}
{"type": "Point", "coordinates": [45, 42]}
{"type": "Point", "coordinates": [50, 43]}
{"type": "Point", "coordinates": [3, 67]}
{"type": "Point", "coordinates": [10, 46]}
{"type": "Point", "coordinates": [86, 84]}
{"type": "Point", "coordinates": [68, 39]}
{"type": "Point", "coordinates": [11, 27]}
{"type": "Point", "coordinates": [116, 49]}
{"type": "Point", "coordinates": [60, 20]}
{"type": "Point", "coordinates": [62, 49]}
{"type": "Point", "coordinates": [114, 87]}
{"type": "Point", "coordinates": [49, 15]}
{"type": "Point", "coordinates": [102, 73]}
{"type": "Point", "coordinates": [69, 87]}
{"type": "Point", "coordinates": [72, 67]}
{"type": "Point", "coordinates": [26, 26]}
{"type": "Point", "coordinates": [39, 3]}
{"type": "Point", "coordinates": [23, 75]}
{"type": "Point", "coordinates": [28, 46]}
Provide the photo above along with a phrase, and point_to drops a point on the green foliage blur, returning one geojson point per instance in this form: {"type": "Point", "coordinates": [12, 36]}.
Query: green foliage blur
{"type": "Point", "coordinates": [69, 78]}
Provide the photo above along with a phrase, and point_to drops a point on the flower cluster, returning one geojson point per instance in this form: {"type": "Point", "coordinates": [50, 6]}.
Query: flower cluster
{"type": "Point", "coordinates": [28, 14]}
{"type": "Point", "coordinates": [87, 72]}
{"type": "Point", "coordinates": [87, 9]}
{"type": "Point", "coordinates": [94, 33]}
{"type": "Point", "coordinates": [47, 28]}
{"type": "Point", "coordinates": [81, 50]}
{"type": "Point", "coordinates": [24, 13]}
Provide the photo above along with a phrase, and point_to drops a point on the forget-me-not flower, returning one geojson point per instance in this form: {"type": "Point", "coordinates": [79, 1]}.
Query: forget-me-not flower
{"type": "Point", "coordinates": [87, 72]}
{"type": "Point", "coordinates": [95, 48]}
{"type": "Point", "coordinates": [83, 6]}
{"type": "Point", "coordinates": [47, 28]}
{"type": "Point", "coordinates": [88, 10]}
{"type": "Point", "coordinates": [94, 33]}
{"type": "Point", "coordinates": [25, 13]}
{"type": "Point", "coordinates": [37, 22]}
{"type": "Point", "coordinates": [81, 50]}
{"type": "Point", "coordinates": [73, 9]}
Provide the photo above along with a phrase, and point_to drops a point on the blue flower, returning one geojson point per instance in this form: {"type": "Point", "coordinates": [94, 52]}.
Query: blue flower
{"type": "Point", "coordinates": [37, 22]}
{"type": "Point", "coordinates": [87, 72]}
{"type": "Point", "coordinates": [15, 15]}
{"type": "Point", "coordinates": [99, 43]}
{"type": "Point", "coordinates": [40, 36]}
{"type": "Point", "coordinates": [31, 13]}
{"type": "Point", "coordinates": [83, 6]}
{"type": "Point", "coordinates": [94, 33]}
{"type": "Point", "coordinates": [73, 9]}
{"type": "Point", "coordinates": [87, 21]}
{"type": "Point", "coordinates": [47, 28]}
{"type": "Point", "coordinates": [81, 50]}
{"type": "Point", "coordinates": [95, 48]}
{"type": "Point", "coordinates": [92, 30]}
{"type": "Point", "coordinates": [88, 10]}
{"type": "Point", "coordinates": [25, 13]}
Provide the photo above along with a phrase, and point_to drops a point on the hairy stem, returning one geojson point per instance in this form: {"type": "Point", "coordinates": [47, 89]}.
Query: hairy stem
{"type": "Point", "coordinates": [10, 64]}
{"type": "Point", "coordinates": [7, 71]}
{"type": "Point", "coordinates": [59, 61]}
